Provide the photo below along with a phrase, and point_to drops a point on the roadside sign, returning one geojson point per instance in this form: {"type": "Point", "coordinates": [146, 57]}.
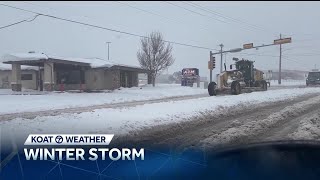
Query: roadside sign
{"type": "Point", "coordinates": [282, 41]}
{"type": "Point", "coordinates": [248, 46]}
{"type": "Point", "coordinates": [190, 72]}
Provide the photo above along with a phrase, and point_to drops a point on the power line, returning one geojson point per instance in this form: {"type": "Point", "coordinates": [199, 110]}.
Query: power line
{"type": "Point", "coordinates": [200, 14]}
{"type": "Point", "coordinates": [298, 62]}
{"type": "Point", "coordinates": [201, 8]}
{"type": "Point", "coordinates": [152, 13]}
{"type": "Point", "coordinates": [105, 28]}
{"type": "Point", "coordinates": [193, 11]}
{"type": "Point", "coordinates": [221, 15]}
{"type": "Point", "coordinates": [226, 17]}
{"type": "Point", "coordinates": [284, 57]}
{"type": "Point", "coordinates": [146, 11]}
{"type": "Point", "coordinates": [266, 55]}
{"type": "Point", "coordinates": [297, 47]}
{"type": "Point", "coordinates": [303, 55]}
{"type": "Point", "coordinates": [25, 20]}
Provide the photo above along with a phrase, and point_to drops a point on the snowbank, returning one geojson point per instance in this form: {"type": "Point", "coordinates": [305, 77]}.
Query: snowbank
{"type": "Point", "coordinates": [126, 120]}
{"type": "Point", "coordinates": [309, 128]}
{"type": "Point", "coordinates": [36, 101]}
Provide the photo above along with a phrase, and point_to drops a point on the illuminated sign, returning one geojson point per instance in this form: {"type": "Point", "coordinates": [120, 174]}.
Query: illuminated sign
{"type": "Point", "coordinates": [190, 72]}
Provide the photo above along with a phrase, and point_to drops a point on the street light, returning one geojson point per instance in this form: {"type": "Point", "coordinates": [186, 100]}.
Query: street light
{"type": "Point", "coordinates": [108, 48]}
{"type": "Point", "coordinates": [235, 50]}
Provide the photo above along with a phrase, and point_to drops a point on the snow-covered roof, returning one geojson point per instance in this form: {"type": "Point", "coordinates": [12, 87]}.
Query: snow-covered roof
{"type": "Point", "coordinates": [94, 62]}
{"type": "Point", "coordinates": [8, 66]}
{"type": "Point", "coordinates": [24, 56]}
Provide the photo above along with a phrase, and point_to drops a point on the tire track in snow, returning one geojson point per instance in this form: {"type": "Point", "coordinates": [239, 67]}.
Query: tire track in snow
{"type": "Point", "coordinates": [209, 124]}
{"type": "Point", "coordinates": [254, 130]}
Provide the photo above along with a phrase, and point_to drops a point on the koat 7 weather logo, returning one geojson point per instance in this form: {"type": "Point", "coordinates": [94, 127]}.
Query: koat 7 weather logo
{"type": "Point", "coordinates": [77, 153]}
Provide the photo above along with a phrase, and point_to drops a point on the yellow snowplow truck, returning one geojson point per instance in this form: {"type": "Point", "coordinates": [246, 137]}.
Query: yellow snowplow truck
{"type": "Point", "coordinates": [245, 78]}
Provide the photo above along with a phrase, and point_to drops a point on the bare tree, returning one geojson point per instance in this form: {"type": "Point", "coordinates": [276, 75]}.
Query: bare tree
{"type": "Point", "coordinates": [155, 55]}
{"type": "Point", "coordinates": [175, 77]}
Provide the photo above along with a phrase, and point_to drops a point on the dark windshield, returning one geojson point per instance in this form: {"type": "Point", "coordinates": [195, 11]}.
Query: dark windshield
{"type": "Point", "coordinates": [314, 75]}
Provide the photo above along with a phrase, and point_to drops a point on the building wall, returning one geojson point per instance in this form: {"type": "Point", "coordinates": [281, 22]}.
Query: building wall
{"type": "Point", "coordinates": [134, 78]}
{"type": "Point", "coordinates": [128, 79]}
{"type": "Point", "coordinates": [112, 79]}
{"type": "Point", "coordinates": [100, 79]}
{"type": "Point", "coordinates": [5, 79]}
{"type": "Point", "coordinates": [94, 79]}
{"type": "Point", "coordinates": [30, 84]}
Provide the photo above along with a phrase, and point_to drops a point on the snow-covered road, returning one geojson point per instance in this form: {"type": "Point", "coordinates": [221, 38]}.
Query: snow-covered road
{"type": "Point", "coordinates": [292, 119]}
{"type": "Point", "coordinates": [141, 118]}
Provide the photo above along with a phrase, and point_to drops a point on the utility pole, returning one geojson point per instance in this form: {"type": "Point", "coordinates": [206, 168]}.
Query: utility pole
{"type": "Point", "coordinates": [279, 80]}
{"type": "Point", "coordinates": [108, 48]}
{"type": "Point", "coordinates": [210, 64]}
{"type": "Point", "coordinates": [221, 46]}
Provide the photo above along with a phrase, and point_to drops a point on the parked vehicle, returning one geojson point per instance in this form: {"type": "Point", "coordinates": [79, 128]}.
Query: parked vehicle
{"type": "Point", "coordinates": [313, 78]}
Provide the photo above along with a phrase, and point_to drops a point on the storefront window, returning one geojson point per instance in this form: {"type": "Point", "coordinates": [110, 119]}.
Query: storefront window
{"type": "Point", "coordinates": [70, 77]}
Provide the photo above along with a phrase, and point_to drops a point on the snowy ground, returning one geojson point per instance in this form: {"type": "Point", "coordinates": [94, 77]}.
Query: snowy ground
{"type": "Point", "coordinates": [288, 82]}
{"type": "Point", "coordinates": [31, 101]}
{"type": "Point", "coordinates": [309, 128]}
{"type": "Point", "coordinates": [129, 120]}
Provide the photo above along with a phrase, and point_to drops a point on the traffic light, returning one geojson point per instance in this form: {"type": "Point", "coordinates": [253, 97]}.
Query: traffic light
{"type": "Point", "coordinates": [213, 62]}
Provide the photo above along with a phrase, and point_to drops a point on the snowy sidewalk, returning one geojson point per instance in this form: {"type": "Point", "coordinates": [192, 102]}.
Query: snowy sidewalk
{"type": "Point", "coordinates": [32, 115]}
{"type": "Point", "coordinates": [10, 102]}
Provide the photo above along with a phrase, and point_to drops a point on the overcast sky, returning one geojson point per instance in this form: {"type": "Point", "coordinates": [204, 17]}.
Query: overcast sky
{"type": "Point", "coordinates": [243, 22]}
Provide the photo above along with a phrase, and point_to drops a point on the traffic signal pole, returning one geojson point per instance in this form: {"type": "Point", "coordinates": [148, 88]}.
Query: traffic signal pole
{"type": "Point", "coordinates": [279, 78]}
{"type": "Point", "coordinates": [210, 75]}
{"type": "Point", "coordinates": [221, 54]}
{"type": "Point", "coordinates": [210, 66]}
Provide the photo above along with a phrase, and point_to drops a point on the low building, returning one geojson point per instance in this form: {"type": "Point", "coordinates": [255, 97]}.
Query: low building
{"type": "Point", "coordinates": [43, 72]}
{"type": "Point", "coordinates": [28, 78]}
